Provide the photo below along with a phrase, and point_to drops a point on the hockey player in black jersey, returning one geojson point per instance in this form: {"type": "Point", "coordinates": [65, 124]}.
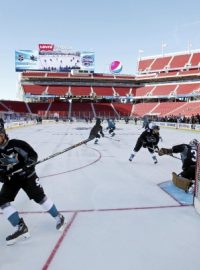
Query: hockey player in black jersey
{"type": "Point", "coordinates": [148, 139]}
{"type": "Point", "coordinates": [14, 155]}
{"type": "Point", "coordinates": [188, 154]}
{"type": "Point", "coordinates": [97, 130]}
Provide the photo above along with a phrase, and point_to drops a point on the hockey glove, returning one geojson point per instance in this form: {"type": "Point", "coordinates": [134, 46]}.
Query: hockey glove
{"type": "Point", "coordinates": [9, 161]}
{"type": "Point", "coordinates": [165, 151]}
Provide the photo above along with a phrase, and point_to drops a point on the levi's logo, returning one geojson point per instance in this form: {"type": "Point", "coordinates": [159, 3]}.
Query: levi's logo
{"type": "Point", "coordinates": [46, 47]}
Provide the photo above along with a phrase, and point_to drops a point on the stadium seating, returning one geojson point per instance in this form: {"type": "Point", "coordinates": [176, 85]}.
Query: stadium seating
{"type": "Point", "coordinates": [104, 110]}
{"type": "Point", "coordinates": [144, 91]}
{"type": "Point", "coordinates": [16, 106]}
{"type": "Point", "coordinates": [57, 90]}
{"type": "Point", "coordinates": [166, 108]}
{"type": "Point", "coordinates": [34, 89]}
{"type": "Point", "coordinates": [123, 109]}
{"type": "Point", "coordinates": [82, 110]}
{"type": "Point", "coordinates": [195, 60]}
{"type": "Point", "coordinates": [80, 91]}
{"type": "Point", "coordinates": [188, 88]}
{"type": "Point", "coordinates": [122, 91]}
{"type": "Point", "coordinates": [164, 90]}
{"type": "Point", "coordinates": [142, 109]}
{"type": "Point", "coordinates": [160, 63]}
{"type": "Point", "coordinates": [103, 91]}
{"type": "Point", "coordinates": [36, 107]}
{"type": "Point", "coordinates": [179, 61]}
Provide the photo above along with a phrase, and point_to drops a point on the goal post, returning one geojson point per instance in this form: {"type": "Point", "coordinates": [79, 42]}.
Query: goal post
{"type": "Point", "coordinates": [197, 182]}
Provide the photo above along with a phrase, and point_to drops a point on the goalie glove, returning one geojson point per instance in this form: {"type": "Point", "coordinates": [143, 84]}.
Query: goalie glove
{"type": "Point", "coordinates": [165, 151]}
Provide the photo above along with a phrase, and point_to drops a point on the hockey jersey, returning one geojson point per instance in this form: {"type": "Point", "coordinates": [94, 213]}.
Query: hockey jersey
{"type": "Point", "coordinates": [16, 154]}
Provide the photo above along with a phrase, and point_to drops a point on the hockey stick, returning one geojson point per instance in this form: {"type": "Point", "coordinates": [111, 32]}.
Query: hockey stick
{"type": "Point", "coordinates": [91, 137]}
{"type": "Point", "coordinates": [171, 155]}
{"type": "Point", "coordinates": [111, 138]}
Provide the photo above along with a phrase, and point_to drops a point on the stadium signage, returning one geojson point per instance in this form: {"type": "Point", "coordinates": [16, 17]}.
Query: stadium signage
{"type": "Point", "coordinates": [46, 47]}
{"type": "Point", "coordinates": [50, 57]}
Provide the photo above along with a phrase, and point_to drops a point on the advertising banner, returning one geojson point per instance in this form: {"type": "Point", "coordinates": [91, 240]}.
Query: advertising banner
{"type": "Point", "coordinates": [46, 47]}
{"type": "Point", "coordinates": [26, 60]}
{"type": "Point", "coordinates": [87, 61]}
{"type": "Point", "coordinates": [53, 58]}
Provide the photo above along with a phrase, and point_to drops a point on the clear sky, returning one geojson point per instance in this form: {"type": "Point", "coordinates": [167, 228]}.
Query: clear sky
{"type": "Point", "coordinates": [114, 30]}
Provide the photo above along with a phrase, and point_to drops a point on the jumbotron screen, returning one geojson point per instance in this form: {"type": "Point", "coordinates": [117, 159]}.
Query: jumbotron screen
{"type": "Point", "coordinates": [48, 57]}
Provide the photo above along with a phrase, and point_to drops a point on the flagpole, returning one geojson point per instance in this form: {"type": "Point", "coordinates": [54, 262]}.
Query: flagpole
{"type": "Point", "coordinates": [162, 48]}
{"type": "Point", "coordinates": [189, 46]}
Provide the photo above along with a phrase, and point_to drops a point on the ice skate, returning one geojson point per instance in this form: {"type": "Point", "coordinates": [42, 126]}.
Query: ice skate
{"type": "Point", "coordinates": [155, 160]}
{"type": "Point", "coordinates": [20, 233]}
{"type": "Point", "coordinates": [131, 157]}
{"type": "Point", "coordinates": [60, 224]}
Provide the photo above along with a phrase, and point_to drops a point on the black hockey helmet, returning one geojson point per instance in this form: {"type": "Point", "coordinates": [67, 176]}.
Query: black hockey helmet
{"type": "Point", "coordinates": [194, 142]}
{"type": "Point", "coordinates": [153, 126]}
{"type": "Point", "coordinates": [98, 121]}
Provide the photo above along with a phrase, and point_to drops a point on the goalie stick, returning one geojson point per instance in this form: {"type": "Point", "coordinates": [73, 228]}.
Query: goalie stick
{"type": "Point", "coordinates": [91, 137]}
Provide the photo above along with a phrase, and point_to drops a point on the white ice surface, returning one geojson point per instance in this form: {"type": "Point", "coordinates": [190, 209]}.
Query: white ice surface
{"type": "Point", "coordinates": [118, 217]}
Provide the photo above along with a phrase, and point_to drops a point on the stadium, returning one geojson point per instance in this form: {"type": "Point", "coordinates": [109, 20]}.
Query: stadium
{"type": "Point", "coordinates": [117, 212]}
{"type": "Point", "coordinates": [164, 87]}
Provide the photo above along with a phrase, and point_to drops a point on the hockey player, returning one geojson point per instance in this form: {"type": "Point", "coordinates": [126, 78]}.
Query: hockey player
{"type": "Point", "coordinates": [146, 122]}
{"type": "Point", "coordinates": [188, 152]}
{"type": "Point", "coordinates": [148, 139]}
{"type": "Point", "coordinates": [14, 155]}
{"type": "Point", "coordinates": [111, 127]}
{"type": "Point", "coordinates": [97, 130]}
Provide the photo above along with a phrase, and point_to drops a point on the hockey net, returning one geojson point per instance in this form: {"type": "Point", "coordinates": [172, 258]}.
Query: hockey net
{"type": "Point", "coordinates": [197, 182]}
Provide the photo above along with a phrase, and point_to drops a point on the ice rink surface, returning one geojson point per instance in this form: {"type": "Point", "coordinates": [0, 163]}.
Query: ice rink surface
{"type": "Point", "coordinates": [117, 215]}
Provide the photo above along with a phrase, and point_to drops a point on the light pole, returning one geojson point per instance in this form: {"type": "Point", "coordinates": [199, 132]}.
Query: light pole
{"type": "Point", "coordinates": [162, 48]}
{"type": "Point", "coordinates": [189, 46]}
{"type": "Point", "coordinates": [140, 53]}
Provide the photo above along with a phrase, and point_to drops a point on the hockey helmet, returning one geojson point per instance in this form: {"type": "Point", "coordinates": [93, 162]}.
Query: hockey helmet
{"type": "Point", "coordinates": [194, 142]}
{"type": "Point", "coordinates": [153, 126]}
{"type": "Point", "coordinates": [98, 121]}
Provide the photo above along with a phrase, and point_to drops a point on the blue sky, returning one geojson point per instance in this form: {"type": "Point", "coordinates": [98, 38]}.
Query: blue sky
{"type": "Point", "coordinates": [114, 30]}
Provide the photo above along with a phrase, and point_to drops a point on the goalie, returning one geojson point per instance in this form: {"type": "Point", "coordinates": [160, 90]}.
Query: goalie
{"type": "Point", "coordinates": [188, 152]}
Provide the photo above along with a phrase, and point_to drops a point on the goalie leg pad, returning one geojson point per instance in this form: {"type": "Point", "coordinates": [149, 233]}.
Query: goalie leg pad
{"type": "Point", "coordinates": [181, 182]}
